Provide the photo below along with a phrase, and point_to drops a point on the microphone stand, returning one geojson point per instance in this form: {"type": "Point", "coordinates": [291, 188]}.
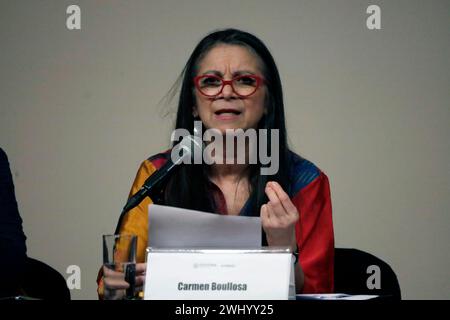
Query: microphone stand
{"type": "Point", "coordinates": [155, 192]}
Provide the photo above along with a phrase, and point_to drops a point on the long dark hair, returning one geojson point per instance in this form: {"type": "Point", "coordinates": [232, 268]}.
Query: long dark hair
{"type": "Point", "coordinates": [188, 187]}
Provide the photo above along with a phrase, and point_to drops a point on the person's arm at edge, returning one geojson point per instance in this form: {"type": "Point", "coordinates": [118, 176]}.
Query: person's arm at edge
{"type": "Point", "coordinates": [12, 237]}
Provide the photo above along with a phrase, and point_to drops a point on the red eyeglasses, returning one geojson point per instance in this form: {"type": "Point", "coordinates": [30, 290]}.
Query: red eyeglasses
{"type": "Point", "coordinates": [244, 85]}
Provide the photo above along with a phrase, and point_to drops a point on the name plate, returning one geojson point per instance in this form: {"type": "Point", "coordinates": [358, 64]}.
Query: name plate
{"type": "Point", "coordinates": [210, 274]}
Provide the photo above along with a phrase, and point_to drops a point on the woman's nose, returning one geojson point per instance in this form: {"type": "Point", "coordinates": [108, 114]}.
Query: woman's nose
{"type": "Point", "coordinates": [227, 91]}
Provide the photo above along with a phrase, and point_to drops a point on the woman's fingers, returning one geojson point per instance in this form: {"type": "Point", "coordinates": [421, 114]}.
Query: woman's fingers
{"type": "Point", "coordinates": [266, 220]}
{"type": "Point", "coordinates": [265, 216]}
{"type": "Point", "coordinates": [116, 279]}
{"type": "Point", "coordinates": [141, 268]}
{"type": "Point", "coordinates": [140, 273]}
{"type": "Point", "coordinates": [115, 283]}
{"type": "Point", "coordinates": [109, 273]}
{"type": "Point", "coordinates": [140, 281]}
{"type": "Point", "coordinates": [279, 216]}
{"type": "Point", "coordinates": [283, 198]}
{"type": "Point", "coordinates": [274, 202]}
{"type": "Point", "coordinates": [280, 206]}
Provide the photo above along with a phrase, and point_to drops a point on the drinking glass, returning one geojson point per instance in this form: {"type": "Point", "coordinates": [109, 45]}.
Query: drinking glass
{"type": "Point", "coordinates": [119, 265]}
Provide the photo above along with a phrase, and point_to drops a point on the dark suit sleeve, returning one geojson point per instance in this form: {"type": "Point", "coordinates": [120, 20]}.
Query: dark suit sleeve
{"type": "Point", "coordinates": [12, 238]}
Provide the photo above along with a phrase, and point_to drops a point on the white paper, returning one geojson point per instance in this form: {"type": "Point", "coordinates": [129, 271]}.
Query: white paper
{"type": "Point", "coordinates": [171, 227]}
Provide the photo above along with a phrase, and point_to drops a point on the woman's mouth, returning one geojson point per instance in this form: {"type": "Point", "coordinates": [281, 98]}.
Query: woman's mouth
{"type": "Point", "coordinates": [227, 114]}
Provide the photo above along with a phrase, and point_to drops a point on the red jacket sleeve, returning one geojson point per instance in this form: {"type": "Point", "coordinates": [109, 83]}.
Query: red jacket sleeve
{"type": "Point", "coordinates": [315, 235]}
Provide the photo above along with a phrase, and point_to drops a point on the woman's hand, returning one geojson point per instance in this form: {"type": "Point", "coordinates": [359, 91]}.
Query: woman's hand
{"type": "Point", "coordinates": [115, 285]}
{"type": "Point", "coordinates": [278, 217]}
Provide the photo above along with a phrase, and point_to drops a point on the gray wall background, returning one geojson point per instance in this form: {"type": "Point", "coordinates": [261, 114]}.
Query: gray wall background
{"type": "Point", "coordinates": [79, 111]}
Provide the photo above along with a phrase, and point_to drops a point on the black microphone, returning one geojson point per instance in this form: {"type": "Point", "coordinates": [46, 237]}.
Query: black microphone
{"type": "Point", "coordinates": [187, 148]}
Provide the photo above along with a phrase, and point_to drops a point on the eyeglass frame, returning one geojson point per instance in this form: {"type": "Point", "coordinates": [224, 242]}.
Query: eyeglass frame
{"type": "Point", "coordinates": [259, 81]}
